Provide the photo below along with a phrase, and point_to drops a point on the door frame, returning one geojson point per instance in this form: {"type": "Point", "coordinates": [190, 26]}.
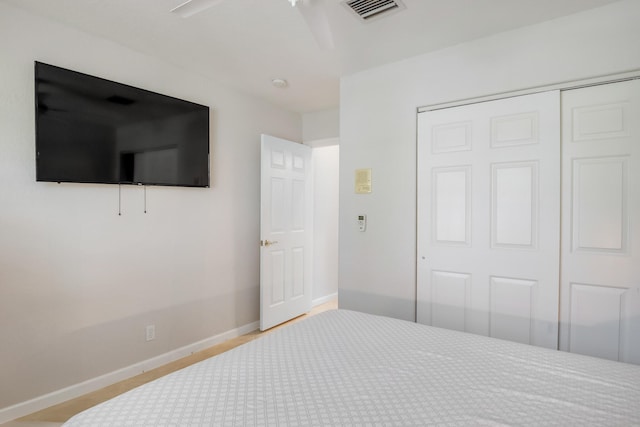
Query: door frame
{"type": "Point", "coordinates": [561, 86]}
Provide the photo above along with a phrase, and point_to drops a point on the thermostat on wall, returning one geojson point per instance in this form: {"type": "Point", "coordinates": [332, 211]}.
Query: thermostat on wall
{"type": "Point", "coordinates": [362, 222]}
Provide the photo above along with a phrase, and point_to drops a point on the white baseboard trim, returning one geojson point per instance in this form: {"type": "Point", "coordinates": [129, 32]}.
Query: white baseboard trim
{"type": "Point", "coordinates": [316, 302]}
{"type": "Point", "coordinates": [25, 408]}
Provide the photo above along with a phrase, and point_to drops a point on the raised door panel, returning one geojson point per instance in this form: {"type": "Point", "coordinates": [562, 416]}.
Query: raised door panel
{"type": "Point", "coordinates": [450, 296]}
{"type": "Point", "coordinates": [298, 282]}
{"type": "Point", "coordinates": [596, 314]}
{"type": "Point", "coordinates": [600, 121]}
{"type": "Point", "coordinates": [514, 207]}
{"type": "Point", "coordinates": [298, 205]}
{"type": "Point", "coordinates": [599, 212]}
{"type": "Point", "coordinates": [278, 207]}
{"type": "Point", "coordinates": [451, 205]}
{"type": "Point", "coordinates": [450, 137]}
{"type": "Point", "coordinates": [513, 309]}
{"type": "Point", "coordinates": [515, 129]}
{"type": "Point", "coordinates": [275, 275]}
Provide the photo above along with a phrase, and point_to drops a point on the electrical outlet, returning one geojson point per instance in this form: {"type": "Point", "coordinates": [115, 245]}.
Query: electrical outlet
{"type": "Point", "coordinates": [151, 332]}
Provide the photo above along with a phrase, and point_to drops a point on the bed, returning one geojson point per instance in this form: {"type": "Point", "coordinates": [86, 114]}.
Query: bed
{"type": "Point", "coordinates": [348, 368]}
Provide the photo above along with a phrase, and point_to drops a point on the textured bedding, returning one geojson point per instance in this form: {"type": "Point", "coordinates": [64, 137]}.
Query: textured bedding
{"type": "Point", "coordinates": [347, 368]}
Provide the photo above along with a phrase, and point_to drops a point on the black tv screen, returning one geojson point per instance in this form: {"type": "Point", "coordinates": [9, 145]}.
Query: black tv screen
{"type": "Point", "coordinates": [93, 130]}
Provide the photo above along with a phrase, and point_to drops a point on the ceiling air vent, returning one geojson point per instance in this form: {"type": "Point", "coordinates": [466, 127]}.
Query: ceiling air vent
{"type": "Point", "coordinates": [369, 9]}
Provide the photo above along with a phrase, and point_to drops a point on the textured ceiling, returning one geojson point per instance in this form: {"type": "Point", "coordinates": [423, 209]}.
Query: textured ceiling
{"type": "Point", "coordinates": [246, 43]}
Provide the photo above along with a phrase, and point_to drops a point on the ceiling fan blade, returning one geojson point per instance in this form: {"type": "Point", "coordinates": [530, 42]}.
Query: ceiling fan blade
{"type": "Point", "coordinates": [316, 17]}
{"type": "Point", "coordinates": [192, 7]}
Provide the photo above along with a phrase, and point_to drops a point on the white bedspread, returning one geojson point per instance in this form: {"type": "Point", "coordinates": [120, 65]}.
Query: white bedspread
{"type": "Point", "coordinates": [349, 368]}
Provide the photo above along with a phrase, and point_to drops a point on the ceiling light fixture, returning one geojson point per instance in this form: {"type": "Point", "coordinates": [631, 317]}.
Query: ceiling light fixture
{"type": "Point", "coordinates": [293, 2]}
{"type": "Point", "coordinates": [280, 83]}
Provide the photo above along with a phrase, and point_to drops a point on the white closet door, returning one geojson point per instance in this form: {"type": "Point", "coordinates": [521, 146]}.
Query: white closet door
{"type": "Point", "coordinates": [489, 218]}
{"type": "Point", "coordinates": [600, 284]}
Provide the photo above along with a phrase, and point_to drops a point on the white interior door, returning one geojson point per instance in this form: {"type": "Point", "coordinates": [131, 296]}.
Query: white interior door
{"type": "Point", "coordinates": [600, 283]}
{"type": "Point", "coordinates": [286, 227]}
{"type": "Point", "coordinates": [489, 218]}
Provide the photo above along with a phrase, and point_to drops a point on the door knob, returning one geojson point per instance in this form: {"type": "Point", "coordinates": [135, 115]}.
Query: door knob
{"type": "Point", "coordinates": [267, 242]}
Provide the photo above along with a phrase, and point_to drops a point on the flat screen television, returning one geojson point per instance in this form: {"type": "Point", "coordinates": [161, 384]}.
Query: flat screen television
{"type": "Point", "coordinates": [93, 130]}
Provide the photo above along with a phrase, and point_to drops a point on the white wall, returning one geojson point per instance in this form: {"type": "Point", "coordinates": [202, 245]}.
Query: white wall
{"type": "Point", "coordinates": [326, 161]}
{"type": "Point", "coordinates": [378, 130]}
{"type": "Point", "coordinates": [321, 125]}
{"type": "Point", "coordinates": [321, 131]}
{"type": "Point", "coordinates": [78, 283]}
